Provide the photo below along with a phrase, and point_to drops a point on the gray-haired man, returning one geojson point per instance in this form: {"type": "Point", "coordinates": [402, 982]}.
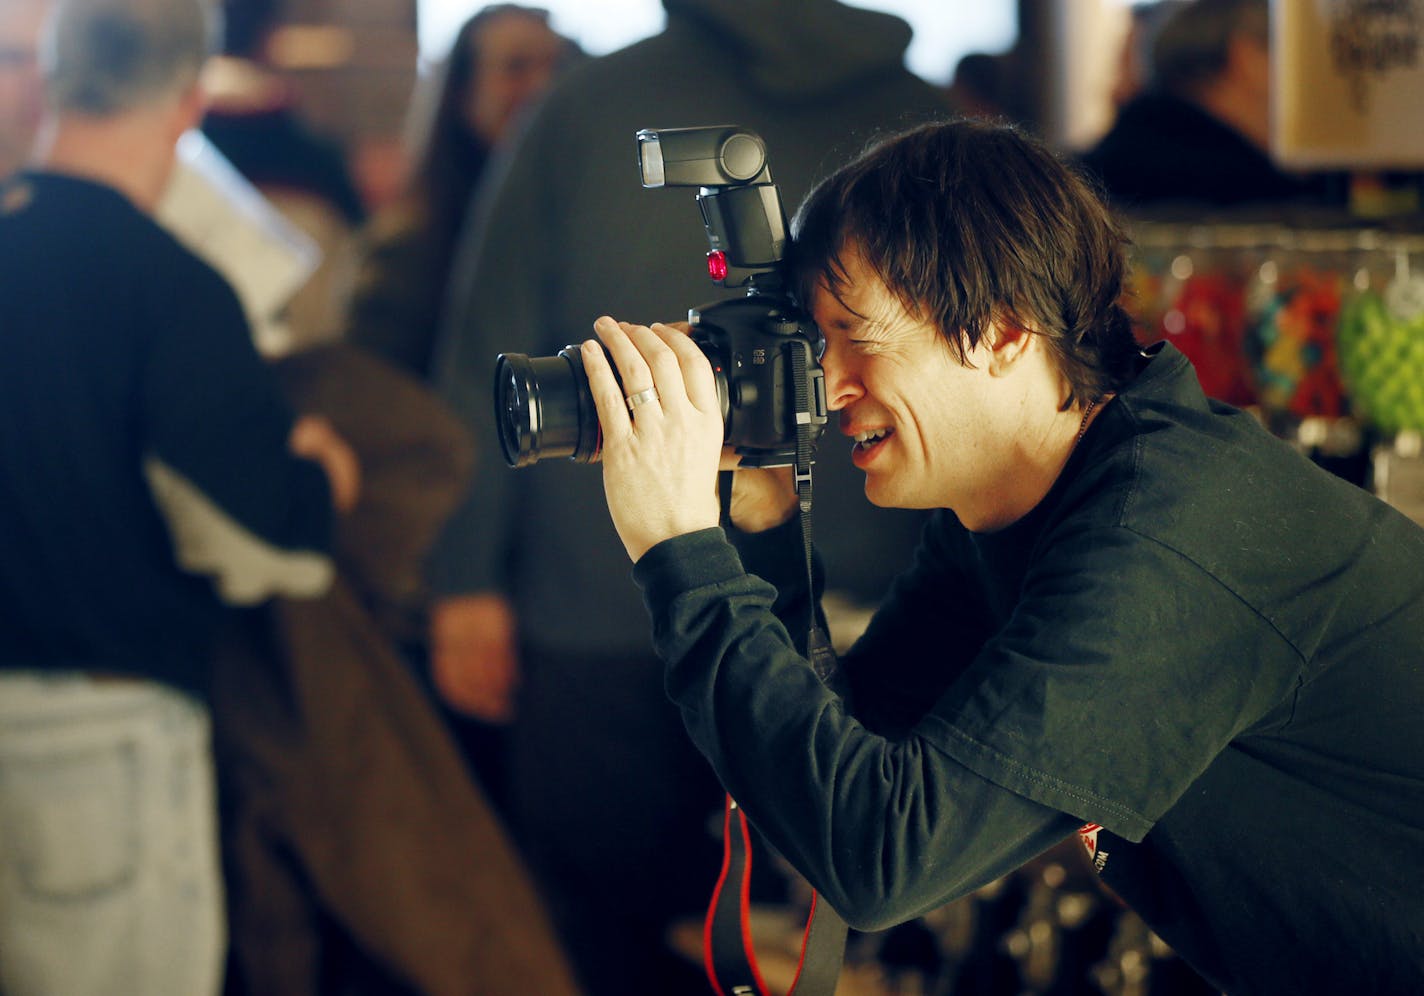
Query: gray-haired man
{"type": "Point", "coordinates": [19, 79]}
{"type": "Point", "coordinates": [149, 472]}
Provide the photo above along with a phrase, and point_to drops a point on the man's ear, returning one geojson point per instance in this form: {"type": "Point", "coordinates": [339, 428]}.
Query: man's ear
{"type": "Point", "coordinates": [1007, 344]}
{"type": "Point", "coordinates": [192, 103]}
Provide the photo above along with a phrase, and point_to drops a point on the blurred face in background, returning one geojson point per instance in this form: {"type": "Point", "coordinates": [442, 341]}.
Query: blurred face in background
{"type": "Point", "coordinates": [516, 58]}
{"type": "Point", "coordinates": [20, 92]}
{"type": "Point", "coordinates": [1249, 68]}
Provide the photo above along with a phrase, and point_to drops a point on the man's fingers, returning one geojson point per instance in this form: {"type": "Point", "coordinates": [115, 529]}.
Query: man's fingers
{"type": "Point", "coordinates": [660, 368]}
{"type": "Point", "coordinates": [607, 395]}
{"type": "Point", "coordinates": [696, 371]}
{"type": "Point", "coordinates": [634, 370]}
{"type": "Point", "coordinates": [663, 363]}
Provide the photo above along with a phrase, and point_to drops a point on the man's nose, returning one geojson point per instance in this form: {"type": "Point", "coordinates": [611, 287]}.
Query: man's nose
{"type": "Point", "coordinates": [842, 385]}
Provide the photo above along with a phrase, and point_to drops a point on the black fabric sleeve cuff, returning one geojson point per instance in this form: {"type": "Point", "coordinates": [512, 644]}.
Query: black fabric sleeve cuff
{"type": "Point", "coordinates": [775, 555]}
{"type": "Point", "coordinates": [683, 563]}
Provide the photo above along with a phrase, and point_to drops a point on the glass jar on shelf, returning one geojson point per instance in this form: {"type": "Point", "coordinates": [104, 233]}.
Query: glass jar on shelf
{"type": "Point", "coordinates": [1381, 335]}
{"type": "Point", "coordinates": [1189, 290]}
{"type": "Point", "coordinates": [1296, 293]}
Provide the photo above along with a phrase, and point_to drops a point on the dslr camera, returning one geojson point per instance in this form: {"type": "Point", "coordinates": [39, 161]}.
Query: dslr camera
{"type": "Point", "coordinates": [763, 347]}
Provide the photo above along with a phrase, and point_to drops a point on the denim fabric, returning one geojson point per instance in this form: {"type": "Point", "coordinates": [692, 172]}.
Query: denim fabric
{"type": "Point", "coordinates": [109, 871]}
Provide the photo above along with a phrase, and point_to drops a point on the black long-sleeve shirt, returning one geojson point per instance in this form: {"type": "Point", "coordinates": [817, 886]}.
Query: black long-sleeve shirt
{"type": "Point", "coordinates": [1198, 641]}
{"type": "Point", "coordinates": [139, 430]}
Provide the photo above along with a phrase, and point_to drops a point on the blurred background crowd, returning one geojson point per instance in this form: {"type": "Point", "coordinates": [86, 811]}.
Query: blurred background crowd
{"type": "Point", "coordinates": [454, 770]}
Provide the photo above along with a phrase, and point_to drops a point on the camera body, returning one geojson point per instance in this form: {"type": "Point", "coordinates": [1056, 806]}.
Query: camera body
{"type": "Point", "coordinates": [763, 347]}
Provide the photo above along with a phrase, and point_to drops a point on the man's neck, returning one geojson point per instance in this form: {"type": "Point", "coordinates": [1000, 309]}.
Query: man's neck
{"type": "Point", "coordinates": [1041, 454]}
{"type": "Point", "coordinates": [130, 152]}
{"type": "Point", "coordinates": [1242, 115]}
{"type": "Point", "coordinates": [1239, 95]}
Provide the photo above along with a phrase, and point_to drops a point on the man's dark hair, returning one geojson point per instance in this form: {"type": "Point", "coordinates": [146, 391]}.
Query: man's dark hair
{"type": "Point", "coordinates": [967, 224]}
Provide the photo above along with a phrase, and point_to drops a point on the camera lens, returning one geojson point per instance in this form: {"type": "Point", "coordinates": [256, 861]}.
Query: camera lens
{"type": "Point", "coordinates": [543, 408]}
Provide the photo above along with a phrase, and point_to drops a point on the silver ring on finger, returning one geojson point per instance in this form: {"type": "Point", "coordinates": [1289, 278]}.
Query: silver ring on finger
{"type": "Point", "coordinates": [642, 398]}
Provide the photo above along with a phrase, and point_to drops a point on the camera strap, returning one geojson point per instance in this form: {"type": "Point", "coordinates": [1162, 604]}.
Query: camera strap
{"type": "Point", "coordinates": [727, 947]}
{"type": "Point", "coordinates": [728, 950]}
{"type": "Point", "coordinates": [818, 645]}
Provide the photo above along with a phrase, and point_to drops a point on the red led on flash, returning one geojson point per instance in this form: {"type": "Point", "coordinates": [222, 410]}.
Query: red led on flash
{"type": "Point", "coordinates": [717, 265]}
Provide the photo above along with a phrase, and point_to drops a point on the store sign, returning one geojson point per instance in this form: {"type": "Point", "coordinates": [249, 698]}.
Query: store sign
{"type": "Point", "coordinates": [1348, 83]}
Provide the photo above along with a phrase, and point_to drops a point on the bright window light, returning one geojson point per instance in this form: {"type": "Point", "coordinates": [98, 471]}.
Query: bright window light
{"type": "Point", "coordinates": [599, 26]}
{"type": "Point", "coordinates": [945, 30]}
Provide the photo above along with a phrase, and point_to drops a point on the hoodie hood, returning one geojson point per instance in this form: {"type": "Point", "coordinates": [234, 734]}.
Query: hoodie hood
{"type": "Point", "coordinates": [799, 49]}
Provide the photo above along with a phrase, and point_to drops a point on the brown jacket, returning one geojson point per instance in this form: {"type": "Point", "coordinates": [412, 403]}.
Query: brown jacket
{"type": "Point", "coordinates": [346, 801]}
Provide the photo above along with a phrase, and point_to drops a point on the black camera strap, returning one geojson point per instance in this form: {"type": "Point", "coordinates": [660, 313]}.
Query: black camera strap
{"type": "Point", "coordinates": [818, 644]}
{"type": "Point", "coordinates": [728, 950]}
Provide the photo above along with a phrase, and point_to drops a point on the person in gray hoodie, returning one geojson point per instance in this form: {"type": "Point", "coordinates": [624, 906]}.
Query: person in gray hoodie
{"type": "Point", "coordinates": [537, 622]}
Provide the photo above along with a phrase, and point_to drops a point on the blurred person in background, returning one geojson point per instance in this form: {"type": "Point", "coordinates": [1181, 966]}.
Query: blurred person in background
{"type": "Point", "coordinates": [1200, 131]}
{"type": "Point", "coordinates": [536, 620]}
{"type": "Point", "coordinates": [366, 863]}
{"type": "Point", "coordinates": [502, 58]}
{"type": "Point", "coordinates": [253, 120]}
{"type": "Point", "coordinates": [151, 474]}
{"type": "Point", "coordinates": [20, 22]}
{"type": "Point", "coordinates": [361, 856]}
{"type": "Point", "coordinates": [982, 86]}
{"type": "Point", "coordinates": [1134, 65]}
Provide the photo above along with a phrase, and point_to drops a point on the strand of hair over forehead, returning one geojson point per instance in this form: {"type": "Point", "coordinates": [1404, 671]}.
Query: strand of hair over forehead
{"type": "Point", "coordinates": [975, 222]}
{"type": "Point", "coordinates": [970, 236]}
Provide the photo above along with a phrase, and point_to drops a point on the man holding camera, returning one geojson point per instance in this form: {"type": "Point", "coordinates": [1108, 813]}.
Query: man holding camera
{"type": "Point", "coordinates": [534, 623]}
{"type": "Point", "coordinates": [1134, 615]}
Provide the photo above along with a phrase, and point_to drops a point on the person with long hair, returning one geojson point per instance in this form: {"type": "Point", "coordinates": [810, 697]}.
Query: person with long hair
{"type": "Point", "coordinates": [502, 58]}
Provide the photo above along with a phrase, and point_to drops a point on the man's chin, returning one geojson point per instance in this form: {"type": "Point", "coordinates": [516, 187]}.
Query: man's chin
{"type": "Point", "coordinates": [878, 494]}
{"type": "Point", "coordinates": [884, 494]}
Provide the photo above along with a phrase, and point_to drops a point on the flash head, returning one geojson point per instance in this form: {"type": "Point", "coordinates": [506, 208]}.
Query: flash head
{"type": "Point", "coordinates": [762, 347]}
{"type": "Point", "coordinates": [715, 156]}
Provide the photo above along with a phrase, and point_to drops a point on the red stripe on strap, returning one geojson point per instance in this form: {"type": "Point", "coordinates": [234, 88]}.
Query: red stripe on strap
{"type": "Point", "coordinates": [707, 959]}
{"type": "Point", "coordinates": [805, 941]}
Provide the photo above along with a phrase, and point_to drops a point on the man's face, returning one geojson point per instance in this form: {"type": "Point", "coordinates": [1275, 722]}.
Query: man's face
{"type": "Point", "coordinates": [1249, 69]}
{"type": "Point", "coordinates": [922, 424]}
{"type": "Point", "coordinates": [516, 58]}
{"type": "Point", "coordinates": [20, 22]}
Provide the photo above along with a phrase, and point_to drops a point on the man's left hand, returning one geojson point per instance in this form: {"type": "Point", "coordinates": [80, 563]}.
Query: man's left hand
{"type": "Point", "coordinates": [660, 456]}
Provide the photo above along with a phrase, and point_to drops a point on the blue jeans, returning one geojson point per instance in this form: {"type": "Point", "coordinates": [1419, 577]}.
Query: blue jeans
{"type": "Point", "coordinates": [110, 878]}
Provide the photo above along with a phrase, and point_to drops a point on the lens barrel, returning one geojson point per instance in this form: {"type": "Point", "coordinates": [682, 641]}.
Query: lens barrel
{"type": "Point", "coordinates": [758, 347]}
{"type": "Point", "coordinates": [544, 408]}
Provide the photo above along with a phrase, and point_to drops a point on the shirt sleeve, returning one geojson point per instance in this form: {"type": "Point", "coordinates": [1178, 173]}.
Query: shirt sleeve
{"type": "Point", "coordinates": [239, 505]}
{"type": "Point", "coordinates": [884, 828]}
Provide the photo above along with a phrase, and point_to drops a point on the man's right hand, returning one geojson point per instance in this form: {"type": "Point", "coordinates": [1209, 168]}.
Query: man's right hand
{"type": "Point", "coordinates": [762, 498]}
{"type": "Point", "coordinates": [314, 438]}
{"type": "Point", "coordinates": [473, 656]}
